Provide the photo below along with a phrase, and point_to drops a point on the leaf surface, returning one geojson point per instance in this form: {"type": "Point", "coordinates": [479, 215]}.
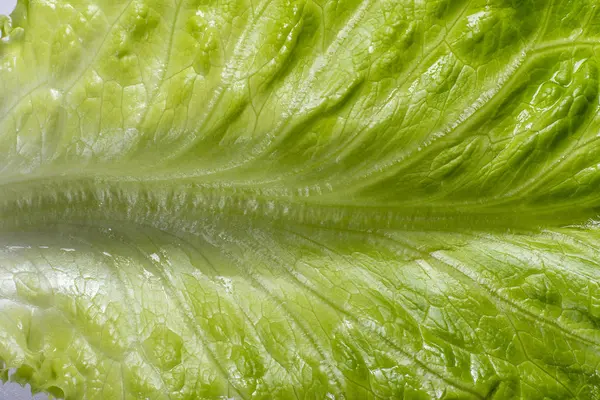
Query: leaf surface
{"type": "Point", "coordinates": [300, 199]}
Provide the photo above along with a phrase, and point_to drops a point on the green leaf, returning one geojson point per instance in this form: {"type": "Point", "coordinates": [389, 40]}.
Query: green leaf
{"type": "Point", "coordinates": [299, 199]}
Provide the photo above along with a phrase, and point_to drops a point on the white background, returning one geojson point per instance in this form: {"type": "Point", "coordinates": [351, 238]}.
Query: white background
{"type": "Point", "coordinates": [6, 6]}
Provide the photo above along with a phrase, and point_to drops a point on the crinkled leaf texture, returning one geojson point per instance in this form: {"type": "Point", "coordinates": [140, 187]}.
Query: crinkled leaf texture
{"type": "Point", "coordinates": [281, 199]}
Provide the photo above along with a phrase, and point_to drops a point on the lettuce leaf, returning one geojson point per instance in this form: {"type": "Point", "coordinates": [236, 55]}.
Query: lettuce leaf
{"type": "Point", "coordinates": [300, 199]}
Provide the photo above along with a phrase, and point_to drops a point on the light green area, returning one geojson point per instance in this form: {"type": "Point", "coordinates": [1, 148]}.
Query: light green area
{"type": "Point", "coordinates": [301, 199]}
